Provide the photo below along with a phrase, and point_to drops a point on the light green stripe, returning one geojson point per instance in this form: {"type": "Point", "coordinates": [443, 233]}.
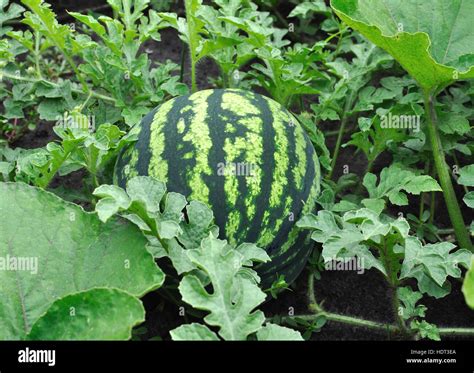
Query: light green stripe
{"type": "Point", "coordinates": [198, 136]}
{"type": "Point", "coordinates": [238, 104]}
{"type": "Point", "coordinates": [270, 231]}
{"type": "Point", "coordinates": [158, 167]}
{"type": "Point", "coordinates": [307, 208]}
{"type": "Point", "coordinates": [279, 181]}
{"type": "Point", "coordinates": [299, 172]}
{"type": "Point", "coordinates": [130, 169]}
{"type": "Point", "coordinates": [281, 154]}
{"type": "Point", "coordinates": [252, 147]}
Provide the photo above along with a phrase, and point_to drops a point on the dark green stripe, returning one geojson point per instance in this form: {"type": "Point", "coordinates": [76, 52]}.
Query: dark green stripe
{"type": "Point", "coordinates": [215, 183]}
{"type": "Point", "coordinates": [291, 189]}
{"type": "Point", "coordinates": [298, 197]}
{"type": "Point", "coordinates": [177, 164]}
{"type": "Point", "coordinates": [143, 144]}
{"type": "Point", "coordinates": [268, 164]}
{"type": "Point", "coordinates": [290, 264]}
{"type": "Point", "coordinates": [239, 131]}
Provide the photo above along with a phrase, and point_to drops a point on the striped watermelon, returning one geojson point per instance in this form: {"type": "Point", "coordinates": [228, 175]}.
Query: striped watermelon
{"type": "Point", "coordinates": [245, 156]}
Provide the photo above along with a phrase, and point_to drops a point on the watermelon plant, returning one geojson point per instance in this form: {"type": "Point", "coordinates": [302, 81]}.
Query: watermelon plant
{"type": "Point", "coordinates": [236, 170]}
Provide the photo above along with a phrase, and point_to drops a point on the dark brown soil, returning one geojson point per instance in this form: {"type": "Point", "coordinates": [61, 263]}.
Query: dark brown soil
{"type": "Point", "coordinates": [365, 296]}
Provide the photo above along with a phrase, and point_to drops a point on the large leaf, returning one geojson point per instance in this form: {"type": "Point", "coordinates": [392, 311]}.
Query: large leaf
{"type": "Point", "coordinates": [100, 314]}
{"type": "Point", "coordinates": [432, 264]}
{"type": "Point", "coordinates": [394, 181]}
{"type": "Point", "coordinates": [73, 252]}
{"type": "Point", "coordinates": [273, 332]}
{"type": "Point", "coordinates": [193, 332]}
{"type": "Point", "coordinates": [432, 40]}
{"type": "Point", "coordinates": [354, 234]}
{"type": "Point", "coordinates": [234, 296]}
{"type": "Point", "coordinates": [160, 216]}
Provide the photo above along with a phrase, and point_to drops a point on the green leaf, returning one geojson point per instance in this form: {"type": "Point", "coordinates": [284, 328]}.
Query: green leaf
{"type": "Point", "coordinates": [469, 199]}
{"type": "Point", "coordinates": [409, 298]}
{"type": "Point", "coordinates": [68, 251]}
{"type": "Point", "coordinates": [317, 6]}
{"type": "Point", "coordinates": [466, 176]}
{"type": "Point", "coordinates": [43, 19]}
{"type": "Point", "coordinates": [374, 140]}
{"type": "Point", "coordinates": [426, 329]}
{"type": "Point", "coordinates": [161, 216]}
{"type": "Point", "coordinates": [353, 235]}
{"type": "Point", "coordinates": [146, 192]}
{"type": "Point", "coordinates": [317, 138]}
{"type": "Point", "coordinates": [468, 287]}
{"type": "Point", "coordinates": [273, 332]}
{"type": "Point", "coordinates": [113, 199]}
{"type": "Point", "coordinates": [430, 40]}
{"type": "Point", "coordinates": [234, 297]}
{"type": "Point", "coordinates": [432, 264]}
{"type": "Point", "coordinates": [395, 179]}
{"type": "Point", "coordinates": [133, 115]}
{"type": "Point", "coordinates": [193, 332]}
{"type": "Point", "coordinates": [97, 314]}
{"type": "Point", "coordinates": [197, 226]}
{"type": "Point", "coordinates": [51, 109]}
{"type": "Point", "coordinates": [450, 123]}
{"type": "Point", "coordinates": [13, 11]}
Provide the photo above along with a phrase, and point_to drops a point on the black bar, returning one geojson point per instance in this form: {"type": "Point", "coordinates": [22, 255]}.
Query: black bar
{"type": "Point", "coordinates": [317, 356]}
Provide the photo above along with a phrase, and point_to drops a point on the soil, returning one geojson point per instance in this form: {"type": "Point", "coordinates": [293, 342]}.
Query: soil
{"type": "Point", "coordinates": [344, 292]}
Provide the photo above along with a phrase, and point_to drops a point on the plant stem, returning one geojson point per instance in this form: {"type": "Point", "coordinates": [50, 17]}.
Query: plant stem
{"type": "Point", "coordinates": [338, 145]}
{"type": "Point", "coordinates": [466, 189]}
{"type": "Point", "coordinates": [340, 134]}
{"type": "Point", "coordinates": [225, 79]}
{"type": "Point", "coordinates": [369, 324]}
{"type": "Point", "coordinates": [37, 54]}
{"type": "Point", "coordinates": [193, 76]}
{"type": "Point", "coordinates": [192, 46]}
{"type": "Point", "coordinates": [393, 282]}
{"type": "Point", "coordinates": [422, 204]}
{"type": "Point", "coordinates": [355, 321]}
{"type": "Point", "coordinates": [396, 307]}
{"type": "Point", "coordinates": [182, 62]}
{"type": "Point", "coordinates": [44, 181]}
{"type": "Point", "coordinates": [312, 303]}
{"type": "Point", "coordinates": [334, 133]}
{"type": "Point", "coordinates": [318, 312]}
{"type": "Point", "coordinates": [444, 177]}
{"type": "Point", "coordinates": [345, 320]}
{"type": "Point", "coordinates": [445, 231]}
{"type": "Point", "coordinates": [456, 331]}
{"type": "Point", "coordinates": [432, 207]}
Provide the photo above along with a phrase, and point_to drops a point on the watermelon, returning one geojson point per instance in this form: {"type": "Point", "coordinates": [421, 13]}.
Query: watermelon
{"type": "Point", "coordinates": [245, 156]}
